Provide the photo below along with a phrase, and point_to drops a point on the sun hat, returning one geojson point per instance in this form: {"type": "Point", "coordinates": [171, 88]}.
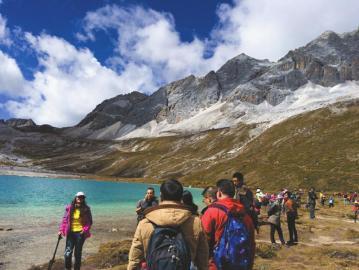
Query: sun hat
{"type": "Point", "coordinates": [80, 193]}
{"type": "Point", "coordinates": [258, 190]}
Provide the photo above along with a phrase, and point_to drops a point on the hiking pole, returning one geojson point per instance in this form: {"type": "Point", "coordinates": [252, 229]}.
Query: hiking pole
{"type": "Point", "coordinates": [52, 261]}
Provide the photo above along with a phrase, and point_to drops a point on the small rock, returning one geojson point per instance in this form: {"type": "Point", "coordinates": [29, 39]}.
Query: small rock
{"type": "Point", "coordinates": [1, 229]}
{"type": "Point", "coordinates": [9, 229]}
{"type": "Point", "coordinates": [114, 230]}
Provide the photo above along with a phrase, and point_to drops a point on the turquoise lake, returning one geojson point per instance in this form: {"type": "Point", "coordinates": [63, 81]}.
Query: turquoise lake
{"type": "Point", "coordinates": [45, 198]}
{"type": "Point", "coordinates": [31, 209]}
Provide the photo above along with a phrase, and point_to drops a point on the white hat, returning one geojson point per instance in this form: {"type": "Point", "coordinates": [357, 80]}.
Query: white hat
{"type": "Point", "coordinates": [80, 193]}
{"type": "Point", "coordinates": [258, 190]}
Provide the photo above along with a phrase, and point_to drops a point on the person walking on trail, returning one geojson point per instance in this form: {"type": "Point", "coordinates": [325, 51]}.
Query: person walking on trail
{"type": "Point", "coordinates": [331, 201]}
{"type": "Point", "coordinates": [169, 236]}
{"type": "Point", "coordinates": [290, 206]}
{"type": "Point", "coordinates": [217, 222]}
{"type": "Point", "coordinates": [356, 210]}
{"type": "Point", "coordinates": [312, 201]}
{"type": "Point", "coordinates": [76, 225]}
{"type": "Point", "coordinates": [150, 200]}
{"type": "Point", "coordinates": [322, 198]}
{"type": "Point", "coordinates": [274, 213]}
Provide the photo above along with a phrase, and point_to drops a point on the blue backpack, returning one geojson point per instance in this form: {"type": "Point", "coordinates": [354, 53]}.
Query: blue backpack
{"type": "Point", "coordinates": [233, 250]}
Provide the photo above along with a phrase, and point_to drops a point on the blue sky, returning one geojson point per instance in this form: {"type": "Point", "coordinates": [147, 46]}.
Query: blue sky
{"type": "Point", "coordinates": [62, 58]}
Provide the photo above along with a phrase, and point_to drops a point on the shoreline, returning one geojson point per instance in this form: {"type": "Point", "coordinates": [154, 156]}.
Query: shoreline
{"type": "Point", "coordinates": [26, 171]}
{"type": "Point", "coordinates": [27, 246]}
{"type": "Point", "coordinates": [42, 173]}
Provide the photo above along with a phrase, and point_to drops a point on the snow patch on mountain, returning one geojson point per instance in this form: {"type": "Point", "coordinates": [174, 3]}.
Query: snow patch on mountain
{"type": "Point", "coordinates": [226, 114]}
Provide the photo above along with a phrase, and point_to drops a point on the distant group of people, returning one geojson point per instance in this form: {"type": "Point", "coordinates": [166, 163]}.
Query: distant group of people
{"type": "Point", "coordinates": [171, 233]}
{"type": "Point", "coordinates": [220, 236]}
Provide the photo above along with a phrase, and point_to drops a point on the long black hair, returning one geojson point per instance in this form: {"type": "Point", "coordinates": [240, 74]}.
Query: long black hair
{"type": "Point", "coordinates": [187, 200]}
{"type": "Point", "coordinates": [83, 207]}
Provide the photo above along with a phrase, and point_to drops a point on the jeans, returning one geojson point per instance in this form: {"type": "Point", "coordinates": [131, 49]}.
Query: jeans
{"type": "Point", "coordinates": [311, 211]}
{"type": "Point", "coordinates": [293, 236]}
{"type": "Point", "coordinates": [74, 241]}
{"type": "Point", "coordinates": [280, 233]}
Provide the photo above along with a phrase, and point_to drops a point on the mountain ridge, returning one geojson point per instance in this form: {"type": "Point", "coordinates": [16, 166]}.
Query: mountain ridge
{"type": "Point", "coordinates": [328, 60]}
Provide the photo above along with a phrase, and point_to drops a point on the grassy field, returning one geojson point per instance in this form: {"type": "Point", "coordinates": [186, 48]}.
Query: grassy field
{"type": "Point", "coordinates": [329, 242]}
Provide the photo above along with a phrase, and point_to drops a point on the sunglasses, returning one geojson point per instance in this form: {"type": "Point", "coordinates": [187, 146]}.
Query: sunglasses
{"type": "Point", "coordinates": [81, 197]}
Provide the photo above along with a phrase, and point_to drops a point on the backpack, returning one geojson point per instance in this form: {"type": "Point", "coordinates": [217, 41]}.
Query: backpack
{"type": "Point", "coordinates": [167, 250]}
{"type": "Point", "coordinates": [233, 249]}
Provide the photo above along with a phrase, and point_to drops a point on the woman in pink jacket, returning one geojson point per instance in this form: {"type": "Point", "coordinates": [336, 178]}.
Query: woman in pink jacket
{"type": "Point", "coordinates": [76, 225]}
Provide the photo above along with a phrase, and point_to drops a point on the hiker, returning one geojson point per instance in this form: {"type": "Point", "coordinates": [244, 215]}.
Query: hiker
{"type": "Point", "coordinates": [76, 225]}
{"type": "Point", "coordinates": [171, 222]}
{"type": "Point", "coordinates": [290, 206]}
{"type": "Point", "coordinates": [356, 210]}
{"type": "Point", "coordinates": [331, 201]}
{"type": "Point", "coordinates": [245, 196]}
{"type": "Point", "coordinates": [209, 195]}
{"type": "Point", "coordinates": [243, 193]}
{"type": "Point", "coordinates": [187, 199]}
{"type": "Point", "coordinates": [259, 195]}
{"type": "Point", "coordinates": [150, 200]}
{"type": "Point", "coordinates": [274, 213]}
{"type": "Point", "coordinates": [322, 198]}
{"type": "Point", "coordinates": [312, 197]}
{"type": "Point", "coordinates": [217, 222]}
{"type": "Point", "coordinates": [346, 199]}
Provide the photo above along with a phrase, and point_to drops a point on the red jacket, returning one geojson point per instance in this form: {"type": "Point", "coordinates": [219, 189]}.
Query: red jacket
{"type": "Point", "coordinates": [214, 220]}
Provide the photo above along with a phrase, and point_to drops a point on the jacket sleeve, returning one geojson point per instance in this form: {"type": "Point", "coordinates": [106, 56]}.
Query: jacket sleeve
{"type": "Point", "coordinates": [64, 221]}
{"type": "Point", "coordinates": [86, 227]}
{"type": "Point", "coordinates": [202, 256]}
{"type": "Point", "coordinates": [208, 223]}
{"type": "Point", "coordinates": [136, 254]}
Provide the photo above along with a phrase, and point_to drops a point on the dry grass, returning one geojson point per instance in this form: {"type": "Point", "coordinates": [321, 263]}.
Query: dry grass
{"type": "Point", "coordinates": [317, 148]}
{"type": "Point", "coordinates": [330, 242]}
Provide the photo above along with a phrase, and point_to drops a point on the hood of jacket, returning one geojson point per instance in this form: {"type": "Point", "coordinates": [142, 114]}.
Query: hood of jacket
{"type": "Point", "coordinates": [168, 213]}
{"type": "Point", "coordinates": [232, 205]}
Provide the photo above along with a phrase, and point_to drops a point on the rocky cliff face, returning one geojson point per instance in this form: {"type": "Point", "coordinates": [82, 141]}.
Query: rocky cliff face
{"type": "Point", "coordinates": [19, 123]}
{"type": "Point", "coordinates": [327, 61]}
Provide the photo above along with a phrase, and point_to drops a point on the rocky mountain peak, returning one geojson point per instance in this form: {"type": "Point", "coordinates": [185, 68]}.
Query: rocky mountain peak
{"type": "Point", "coordinates": [328, 60]}
{"type": "Point", "coordinates": [112, 110]}
{"type": "Point", "coordinates": [20, 123]}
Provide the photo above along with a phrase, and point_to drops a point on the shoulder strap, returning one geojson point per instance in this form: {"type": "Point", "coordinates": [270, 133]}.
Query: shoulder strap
{"type": "Point", "coordinates": [219, 206]}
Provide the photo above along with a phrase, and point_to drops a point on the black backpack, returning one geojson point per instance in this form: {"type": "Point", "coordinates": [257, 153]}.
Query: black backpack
{"type": "Point", "coordinates": [167, 250]}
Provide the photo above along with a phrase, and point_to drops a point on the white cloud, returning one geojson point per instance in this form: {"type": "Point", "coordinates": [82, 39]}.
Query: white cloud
{"type": "Point", "coordinates": [270, 28]}
{"type": "Point", "coordinates": [71, 83]}
{"type": "Point", "coordinates": [147, 37]}
{"type": "Point", "coordinates": [4, 31]}
{"type": "Point", "coordinates": [11, 79]}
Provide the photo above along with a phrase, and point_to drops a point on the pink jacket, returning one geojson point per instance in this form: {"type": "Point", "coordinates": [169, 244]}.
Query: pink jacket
{"type": "Point", "coordinates": [86, 219]}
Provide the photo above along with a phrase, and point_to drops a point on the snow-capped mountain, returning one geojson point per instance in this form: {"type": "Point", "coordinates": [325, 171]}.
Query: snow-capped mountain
{"type": "Point", "coordinates": [243, 90]}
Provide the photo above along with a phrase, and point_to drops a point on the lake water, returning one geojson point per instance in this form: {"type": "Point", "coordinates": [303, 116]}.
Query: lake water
{"type": "Point", "coordinates": [45, 198]}
{"type": "Point", "coordinates": [33, 207]}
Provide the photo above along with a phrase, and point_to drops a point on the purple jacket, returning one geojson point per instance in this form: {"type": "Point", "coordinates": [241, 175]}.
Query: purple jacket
{"type": "Point", "coordinates": [86, 220]}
